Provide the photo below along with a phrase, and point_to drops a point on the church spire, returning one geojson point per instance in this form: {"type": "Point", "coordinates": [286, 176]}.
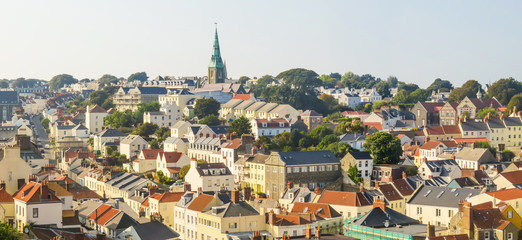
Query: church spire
{"type": "Point", "coordinates": [216, 60]}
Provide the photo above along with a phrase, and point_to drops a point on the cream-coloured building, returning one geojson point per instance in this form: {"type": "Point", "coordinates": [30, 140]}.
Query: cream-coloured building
{"type": "Point", "coordinates": [129, 98]}
{"type": "Point", "coordinates": [167, 116]}
{"type": "Point", "coordinates": [251, 109]}
{"type": "Point", "coordinates": [146, 160]}
{"type": "Point", "coordinates": [7, 207]}
{"type": "Point", "coordinates": [209, 176]}
{"type": "Point", "coordinates": [35, 203]}
{"type": "Point", "coordinates": [170, 163]}
{"type": "Point", "coordinates": [181, 97]}
{"type": "Point", "coordinates": [162, 206]}
{"type": "Point", "coordinates": [14, 171]}
{"type": "Point", "coordinates": [94, 119]}
{"type": "Point", "coordinates": [180, 129]}
{"type": "Point", "coordinates": [255, 173]}
{"type": "Point", "coordinates": [348, 204]}
{"type": "Point", "coordinates": [132, 145]}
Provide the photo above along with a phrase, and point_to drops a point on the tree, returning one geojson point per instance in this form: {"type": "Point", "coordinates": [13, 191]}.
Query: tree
{"type": "Point", "coordinates": [379, 104]}
{"type": "Point", "coordinates": [119, 119]}
{"type": "Point", "coordinates": [262, 83]}
{"type": "Point", "coordinates": [419, 95]}
{"type": "Point", "coordinates": [383, 88]}
{"type": "Point", "coordinates": [4, 83]}
{"type": "Point", "coordinates": [265, 142]}
{"type": "Point", "coordinates": [206, 106]}
{"type": "Point", "coordinates": [329, 101]}
{"type": "Point", "coordinates": [183, 172]}
{"type": "Point", "coordinates": [61, 80]}
{"type": "Point", "coordinates": [507, 155]}
{"type": "Point", "coordinates": [439, 84]}
{"type": "Point", "coordinates": [154, 144]}
{"type": "Point", "coordinates": [468, 89]}
{"type": "Point", "coordinates": [318, 133]}
{"type": "Point", "coordinates": [410, 87]}
{"type": "Point", "coordinates": [145, 107]}
{"type": "Point", "coordinates": [384, 148]}
{"type": "Point", "coordinates": [402, 97]}
{"type": "Point", "coordinates": [98, 97]}
{"type": "Point", "coordinates": [140, 76]}
{"type": "Point", "coordinates": [327, 140]}
{"type": "Point", "coordinates": [504, 89]}
{"type": "Point", "coordinates": [145, 130]}
{"type": "Point", "coordinates": [340, 149]}
{"type": "Point", "coordinates": [354, 174]}
{"type": "Point", "coordinates": [486, 145]}
{"type": "Point", "coordinates": [516, 101]}
{"type": "Point", "coordinates": [282, 139]}
{"type": "Point", "coordinates": [107, 80]}
{"type": "Point", "coordinates": [240, 126]}
{"type": "Point", "coordinates": [411, 171]}
{"type": "Point", "coordinates": [45, 122]}
{"type": "Point", "coordinates": [9, 233]}
{"type": "Point", "coordinates": [243, 79]}
{"type": "Point", "coordinates": [162, 133]}
{"type": "Point", "coordinates": [392, 81]}
{"type": "Point", "coordinates": [211, 120]}
{"type": "Point", "coordinates": [484, 112]}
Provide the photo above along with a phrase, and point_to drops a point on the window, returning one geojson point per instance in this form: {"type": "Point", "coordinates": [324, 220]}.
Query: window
{"type": "Point", "coordinates": [232, 225]}
{"type": "Point", "coordinates": [437, 212]}
{"type": "Point", "coordinates": [209, 183]}
{"type": "Point", "coordinates": [510, 214]}
{"type": "Point", "coordinates": [486, 235]}
{"type": "Point", "coordinates": [510, 236]}
{"type": "Point", "coordinates": [304, 169]}
{"type": "Point", "coordinates": [274, 169]}
{"type": "Point", "coordinates": [296, 169]}
{"type": "Point", "coordinates": [419, 210]}
{"type": "Point", "coordinates": [289, 170]}
{"type": "Point", "coordinates": [450, 213]}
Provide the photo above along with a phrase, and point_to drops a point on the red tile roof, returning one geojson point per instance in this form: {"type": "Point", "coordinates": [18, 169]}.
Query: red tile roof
{"type": "Point", "coordinates": [507, 194]}
{"type": "Point", "coordinates": [171, 157]}
{"type": "Point", "coordinates": [435, 130]}
{"type": "Point", "coordinates": [343, 198]}
{"type": "Point", "coordinates": [174, 169]}
{"type": "Point", "coordinates": [97, 109]}
{"type": "Point", "coordinates": [234, 144]}
{"type": "Point", "coordinates": [151, 153]}
{"type": "Point", "coordinates": [274, 122]}
{"type": "Point", "coordinates": [403, 187]}
{"type": "Point", "coordinates": [34, 192]}
{"type": "Point", "coordinates": [168, 196]}
{"type": "Point", "coordinates": [377, 126]}
{"type": "Point", "coordinates": [432, 106]}
{"type": "Point", "coordinates": [389, 192]}
{"type": "Point", "coordinates": [451, 129]}
{"type": "Point", "coordinates": [244, 97]}
{"type": "Point", "coordinates": [103, 214]}
{"type": "Point", "coordinates": [470, 140]}
{"type": "Point", "coordinates": [200, 202]}
{"type": "Point", "coordinates": [5, 197]}
{"type": "Point", "coordinates": [430, 145]}
{"type": "Point", "coordinates": [354, 113]}
{"type": "Point", "coordinates": [321, 209]}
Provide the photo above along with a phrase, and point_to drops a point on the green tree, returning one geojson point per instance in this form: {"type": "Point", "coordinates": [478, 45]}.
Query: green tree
{"type": "Point", "coordinates": [107, 104]}
{"type": "Point", "coordinates": [384, 148]}
{"type": "Point", "coordinates": [140, 76]}
{"type": "Point", "coordinates": [119, 119]}
{"type": "Point", "coordinates": [4, 83]}
{"type": "Point", "coordinates": [411, 170]}
{"type": "Point", "coordinates": [240, 126]}
{"type": "Point", "coordinates": [154, 144]}
{"type": "Point", "coordinates": [504, 89]}
{"type": "Point", "coordinates": [354, 174]}
{"type": "Point", "coordinates": [318, 133]}
{"type": "Point", "coordinates": [262, 83]}
{"type": "Point", "coordinates": [340, 149]}
{"type": "Point", "coordinates": [243, 79]}
{"type": "Point", "coordinates": [265, 142]}
{"type": "Point", "coordinates": [484, 112]}
{"type": "Point", "coordinates": [468, 89]}
{"type": "Point", "coordinates": [516, 101]}
{"type": "Point", "coordinates": [329, 101]}
{"type": "Point", "coordinates": [61, 80]}
{"type": "Point", "coordinates": [162, 133]}
{"type": "Point", "coordinates": [107, 80]}
{"type": "Point", "coordinates": [183, 172]}
{"type": "Point", "coordinates": [439, 84]}
{"type": "Point", "coordinates": [486, 145]}
{"type": "Point", "coordinates": [282, 139]}
{"type": "Point", "coordinates": [507, 155]}
{"type": "Point", "coordinates": [211, 120]}
{"type": "Point", "coordinates": [45, 122]}
{"type": "Point", "coordinates": [9, 233]}
{"type": "Point", "coordinates": [377, 105]}
{"type": "Point", "coordinates": [410, 87]}
{"type": "Point", "coordinates": [146, 129]}
{"type": "Point", "coordinates": [392, 81]}
{"type": "Point", "coordinates": [383, 88]}
{"type": "Point", "coordinates": [90, 141]}
{"type": "Point", "coordinates": [145, 107]}
{"type": "Point", "coordinates": [402, 97]}
{"type": "Point", "coordinates": [206, 106]}
{"type": "Point", "coordinates": [419, 95]}
{"type": "Point", "coordinates": [327, 140]}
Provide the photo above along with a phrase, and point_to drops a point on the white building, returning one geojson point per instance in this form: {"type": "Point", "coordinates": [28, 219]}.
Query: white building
{"type": "Point", "coordinates": [132, 145]}
{"type": "Point", "coordinates": [209, 176]}
{"type": "Point", "coordinates": [168, 115]}
{"type": "Point", "coordinates": [170, 163]}
{"type": "Point", "coordinates": [180, 129]}
{"type": "Point", "coordinates": [269, 127]}
{"type": "Point", "coordinates": [109, 137]}
{"type": "Point", "coordinates": [146, 160]}
{"type": "Point", "coordinates": [94, 119]}
{"type": "Point", "coordinates": [35, 203]}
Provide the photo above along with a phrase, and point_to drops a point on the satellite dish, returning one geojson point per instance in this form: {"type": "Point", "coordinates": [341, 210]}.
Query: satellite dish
{"type": "Point", "coordinates": [26, 229]}
{"type": "Point", "coordinates": [386, 223]}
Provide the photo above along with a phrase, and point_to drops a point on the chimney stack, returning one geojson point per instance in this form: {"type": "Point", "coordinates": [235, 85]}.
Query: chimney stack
{"type": "Point", "coordinates": [254, 150]}
{"type": "Point", "coordinates": [317, 191]}
{"type": "Point", "coordinates": [376, 184]}
{"type": "Point", "coordinates": [247, 194]}
{"type": "Point", "coordinates": [271, 217]}
{"type": "Point", "coordinates": [289, 185]}
{"type": "Point", "coordinates": [379, 202]}
{"type": "Point", "coordinates": [404, 175]}
{"type": "Point", "coordinates": [317, 232]}
{"type": "Point", "coordinates": [308, 231]}
{"type": "Point", "coordinates": [467, 215]}
{"type": "Point", "coordinates": [361, 188]}
{"type": "Point", "coordinates": [431, 230]}
{"type": "Point", "coordinates": [32, 178]}
{"type": "Point", "coordinates": [235, 196]}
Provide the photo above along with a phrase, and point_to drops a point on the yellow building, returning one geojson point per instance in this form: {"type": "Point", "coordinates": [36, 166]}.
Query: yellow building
{"type": "Point", "coordinates": [255, 173]}
{"type": "Point", "coordinates": [393, 197]}
{"type": "Point", "coordinates": [162, 205]}
{"type": "Point", "coordinates": [234, 217]}
{"type": "Point", "coordinates": [7, 207]}
{"type": "Point", "coordinates": [14, 171]}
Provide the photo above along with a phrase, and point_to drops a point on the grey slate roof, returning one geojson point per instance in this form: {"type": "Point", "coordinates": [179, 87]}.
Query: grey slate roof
{"type": "Point", "coordinates": [473, 126]}
{"type": "Point", "coordinates": [349, 137]}
{"type": "Point", "coordinates": [154, 230]}
{"type": "Point", "coordinates": [111, 132]}
{"type": "Point", "coordinates": [306, 158]}
{"type": "Point", "coordinates": [361, 155]}
{"type": "Point", "coordinates": [8, 97]}
{"type": "Point", "coordinates": [441, 196]}
{"type": "Point", "coordinates": [376, 218]}
{"type": "Point", "coordinates": [513, 122]}
{"type": "Point", "coordinates": [219, 129]}
{"type": "Point", "coordinates": [153, 90]}
{"type": "Point", "coordinates": [495, 123]}
{"type": "Point", "coordinates": [439, 163]}
{"type": "Point", "coordinates": [234, 210]}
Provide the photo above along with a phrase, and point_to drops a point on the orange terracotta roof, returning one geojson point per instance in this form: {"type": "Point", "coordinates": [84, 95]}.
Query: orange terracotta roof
{"type": "Point", "coordinates": [244, 97]}
{"type": "Point", "coordinates": [286, 220]}
{"type": "Point", "coordinates": [430, 145]}
{"type": "Point", "coordinates": [200, 202]}
{"type": "Point", "coordinates": [389, 192]}
{"type": "Point", "coordinates": [355, 113]}
{"type": "Point", "coordinates": [99, 211]}
{"type": "Point", "coordinates": [103, 214]}
{"type": "Point", "coordinates": [171, 157]}
{"type": "Point", "coordinates": [97, 109]}
{"type": "Point", "coordinates": [325, 210]}
{"type": "Point", "coordinates": [34, 192]}
{"type": "Point", "coordinates": [145, 203]}
{"type": "Point", "coordinates": [168, 196]}
{"type": "Point", "coordinates": [507, 194]}
{"type": "Point", "coordinates": [451, 129]}
{"type": "Point", "coordinates": [377, 126]}
{"type": "Point", "coordinates": [435, 130]}
{"type": "Point", "coordinates": [234, 144]}
{"type": "Point", "coordinates": [5, 197]}
{"type": "Point", "coordinates": [417, 152]}
{"type": "Point", "coordinates": [174, 169]}
{"type": "Point", "coordinates": [151, 153]}
{"type": "Point", "coordinates": [470, 140]}
{"type": "Point", "coordinates": [343, 198]}
{"type": "Point", "coordinates": [450, 144]}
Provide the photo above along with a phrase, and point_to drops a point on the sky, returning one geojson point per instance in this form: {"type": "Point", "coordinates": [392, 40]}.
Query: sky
{"type": "Point", "coordinates": [416, 41]}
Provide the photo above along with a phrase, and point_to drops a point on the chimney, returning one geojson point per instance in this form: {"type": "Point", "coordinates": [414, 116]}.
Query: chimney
{"type": "Point", "coordinates": [317, 191]}
{"type": "Point", "coordinates": [501, 115]}
{"type": "Point", "coordinates": [430, 231]}
{"type": "Point", "coordinates": [361, 188]}
{"type": "Point", "coordinates": [430, 177]}
{"type": "Point", "coordinates": [271, 217]}
{"type": "Point", "coordinates": [193, 163]}
{"type": "Point", "coordinates": [317, 232]}
{"type": "Point", "coordinates": [494, 201]}
{"type": "Point", "coordinates": [200, 191]}
{"type": "Point", "coordinates": [32, 178]}
{"type": "Point", "coordinates": [289, 185]}
{"type": "Point", "coordinates": [235, 196]}
{"type": "Point", "coordinates": [2, 184]}
{"type": "Point", "coordinates": [453, 156]}
{"type": "Point", "coordinates": [254, 150]}
{"type": "Point", "coordinates": [379, 202]}
{"type": "Point", "coordinates": [467, 216]}
{"type": "Point", "coordinates": [308, 232]}
{"type": "Point", "coordinates": [404, 175]}
{"type": "Point", "coordinates": [424, 159]}
{"type": "Point", "coordinates": [247, 193]}
{"type": "Point", "coordinates": [376, 184]}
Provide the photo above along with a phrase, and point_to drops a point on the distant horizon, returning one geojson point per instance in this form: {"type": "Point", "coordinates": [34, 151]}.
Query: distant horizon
{"type": "Point", "coordinates": [416, 42]}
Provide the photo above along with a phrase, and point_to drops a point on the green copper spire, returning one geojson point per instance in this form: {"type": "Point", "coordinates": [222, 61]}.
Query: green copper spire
{"type": "Point", "coordinates": [216, 60]}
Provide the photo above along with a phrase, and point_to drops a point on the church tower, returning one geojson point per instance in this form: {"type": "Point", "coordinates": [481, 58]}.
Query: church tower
{"type": "Point", "coordinates": [217, 70]}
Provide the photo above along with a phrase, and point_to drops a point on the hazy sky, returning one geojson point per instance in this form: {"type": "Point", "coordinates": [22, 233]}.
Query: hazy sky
{"type": "Point", "coordinates": [417, 41]}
